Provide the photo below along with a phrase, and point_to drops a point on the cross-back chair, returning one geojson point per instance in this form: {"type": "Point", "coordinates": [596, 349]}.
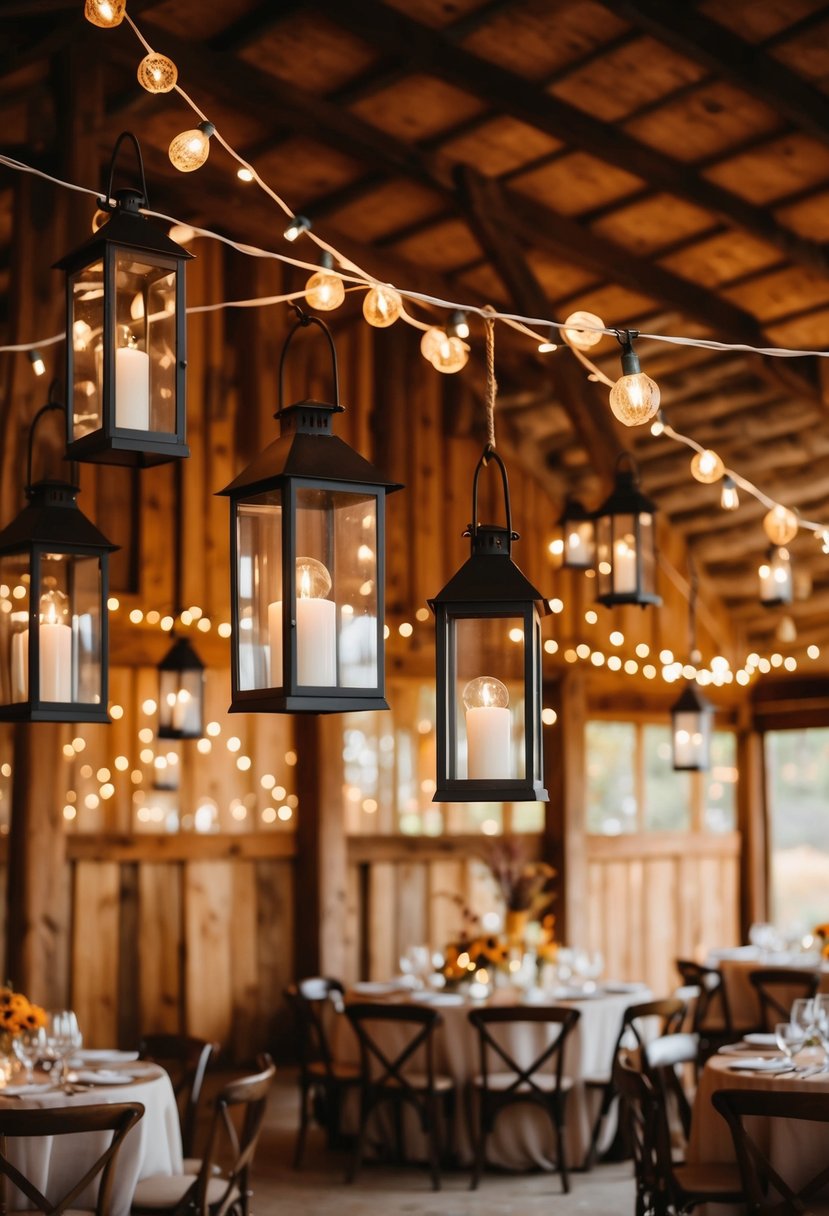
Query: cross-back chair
{"type": "Point", "coordinates": [322, 1079]}
{"type": "Point", "coordinates": [767, 1191]}
{"type": "Point", "coordinates": [394, 1041]}
{"type": "Point", "coordinates": [711, 1018]}
{"type": "Point", "coordinates": [541, 1083]}
{"type": "Point", "coordinates": [117, 1118]}
{"type": "Point", "coordinates": [185, 1059]}
{"type": "Point", "coordinates": [234, 1133]}
{"type": "Point", "coordinates": [671, 1013]}
{"type": "Point", "coordinates": [776, 988]}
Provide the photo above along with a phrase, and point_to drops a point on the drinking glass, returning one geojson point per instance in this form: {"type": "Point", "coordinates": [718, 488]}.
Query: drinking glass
{"type": "Point", "coordinates": [803, 1015]}
{"type": "Point", "coordinates": [822, 1024]}
{"type": "Point", "coordinates": [790, 1038]}
{"type": "Point", "coordinates": [29, 1047]}
{"type": "Point", "coordinates": [64, 1038]}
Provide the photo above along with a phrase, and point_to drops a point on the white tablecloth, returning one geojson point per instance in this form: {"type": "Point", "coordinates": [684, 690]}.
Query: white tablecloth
{"type": "Point", "coordinates": [523, 1136]}
{"type": "Point", "coordinates": [742, 997]}
{"type": "Point", "coordinates": [153, 1146]}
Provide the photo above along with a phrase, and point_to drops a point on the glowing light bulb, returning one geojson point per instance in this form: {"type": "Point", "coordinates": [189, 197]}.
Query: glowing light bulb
{"type": "Point", "coordinates": [381, 306]}
{"type": "Point", "coordinates": [658, 425]}
{"type": "Point", "coordinates": [431, 341]}
{"type": "Point", "coordinates": [458, 326]}
{"type": "Point", "coordinates": [325, 291]}
{"type": "Point", "coordinates": [105, 13]}
{"type": "Point", "coordinates": [486, 692]}
{"type": "Point", "coordinates": [780, 525]}
{"type": "Point", "coordinates": [244, 174]}
{"type": "Point", "coordinates": [634, 398]}
{"type": "Point", "coordinates": [548, 345]}
{"type": "Point", "coordinates": [36, 360]}
{"type": "Point", "coordinates": [582, 338]}
{"type": "Point", "coordinates": [191, 149]}
{"type": "Point", "coordinates": [707, 466]}
{"type": "Point", "coordinates": [295, 229]}
{"type": "Point", "coordinates": [312, 579]}
{"type": "Point", "coordinates": [452, 355]}
{"type": "Point", "coordinates": [729, 498]}
{"type": "Point", "coordinates": [157, 74]}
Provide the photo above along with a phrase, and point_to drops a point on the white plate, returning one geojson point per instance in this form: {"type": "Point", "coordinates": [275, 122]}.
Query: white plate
{"type": "Point", "coordinates": [760, 1040]}
{"type": "Point", "coordinates": [761, 1064]}
{"type": "Point", "coordinates": [438, 998]}
{"type": "Point", "coordinates": [20, 1091]}
{"type": "Point", "coordinates": [101, 1076]}
{"type": "Point", "coordinates": [102, 1055]}
{"type": "Point", "coordinates": [620, 987]}
{"type": "Point", "coordinates": [376, 987]}
{"type": "Point", "coordinates": [734, 1049]}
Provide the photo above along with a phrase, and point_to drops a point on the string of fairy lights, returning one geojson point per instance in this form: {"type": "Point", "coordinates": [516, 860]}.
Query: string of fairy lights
{"type": "Point", "coordinates": [634, 397]}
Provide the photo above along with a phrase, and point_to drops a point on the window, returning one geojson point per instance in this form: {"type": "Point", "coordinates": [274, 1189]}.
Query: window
{"type": "Point", "coordinates": [632, 786]}
{"type": "Point", "coordinates": [797, 770]}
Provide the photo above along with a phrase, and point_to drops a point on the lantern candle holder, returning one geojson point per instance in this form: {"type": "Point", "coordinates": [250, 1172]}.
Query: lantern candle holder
{"type": "Point", "coordinates": [488, 652]}
{"type": "Point", "coordinates": [578, 537]}
{"type": "Point", "coordinates": [776, 581]}
{"type": "Point", "coordinates": [626, 542]}
{"type": "Point", "coordinates": [692, 717]}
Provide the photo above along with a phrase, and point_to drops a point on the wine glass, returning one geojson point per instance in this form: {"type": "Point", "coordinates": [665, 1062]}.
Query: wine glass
{"type": "Point", "coordinates": [64, 1038]}
{"type": "Point", "coordinates": [821, 1005]}
{"type": "Point", "coordinates": [803, 1015]}
{"type": "Point", "coordinates": [30, 1046]}
{"type": "Point", "coordinates": [790, 1038]}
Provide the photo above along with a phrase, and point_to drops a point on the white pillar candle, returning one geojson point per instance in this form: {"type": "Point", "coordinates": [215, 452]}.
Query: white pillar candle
{"type": "Point", "coordinates": [20, 665]}
{"type": "Point", "coordinates": [316, 642]}
{"type": "Point", "coordinates": [185, 712]}
{"type": "Point", "coordinates": [624, 567]}
{"type": "Point", "coordinates": [55, 662]}
{"type": "Point", "coordinates": [487, 743]}
{"type": "Point", "coordinates": [132, 388]}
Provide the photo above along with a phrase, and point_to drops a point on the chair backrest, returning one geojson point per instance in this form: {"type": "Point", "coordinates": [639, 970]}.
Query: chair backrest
{"type": "Point", "coordinates": [662, 1057]}
{"type": "Point", "coordinates": [670, 1011]}
{"type": "Point", "coordinates": [551, 1056]}
{"type": "Point", "coordinates": [313, 999]}
{"type": "Point", "coordinates": [712, 999]}
{"type": "Point", "coordinates": [117, 1118]}
{"type": "Point", "coordinates": [765, 1187]}
{"type": "Point", "coordinates": [640, 1110]}
{"type": "Point", "coordinates": [777, 987]}
{"type": "Point", "coordinates": [185, 1058]}
{"type": "Point", "coordinates": [407, 1033]}
{"type": "Point", "coordinates": [233, 1140]}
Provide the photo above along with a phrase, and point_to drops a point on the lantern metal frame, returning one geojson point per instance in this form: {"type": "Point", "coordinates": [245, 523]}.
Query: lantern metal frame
{"type": "Point", "coordinates": [488, 586]}
{"type": "Point", "coordinates": [53, 524]}
{"type": "Point", "coordinates": [575, 513]}
{"type": "Point", "coordinates": [180, 658]}
{"type": "Point", "coordinates": [626, 500]}
{"type": "Point", "coordinates": [127, 230]}
{"type": "Point", "coordinates": [778, 557]}
{"type": "Point", "coordinates": [306, 456]}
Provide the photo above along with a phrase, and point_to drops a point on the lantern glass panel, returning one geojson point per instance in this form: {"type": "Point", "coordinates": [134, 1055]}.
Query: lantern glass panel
{"type": "Point", "coordinates": [70, 600]}
{"type": "Point", "coordinates": [179, 701]}
{"type": "Point", "coordinates": [579, 544]}
{"type": "Point", "coordinates": [87, 288]}
{"type": "Point", "coordinates": [14, 627]}
{"type": "Point", "coordinates": [259, 590]}
{"type": "Point", "coordinates": [145, 345]}
{"type": "Point", "coordinates": [489, 734]}
{"type": "Point", "coordinates": [692, 740]}
{"type": "Point", "coordinates": [337, 590]}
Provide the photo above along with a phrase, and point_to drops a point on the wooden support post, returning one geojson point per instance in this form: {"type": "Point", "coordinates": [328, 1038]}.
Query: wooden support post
{"type": "Point", "coordinates": [752, 823]}
{"type": "Point", "coordinates": [564, 829]}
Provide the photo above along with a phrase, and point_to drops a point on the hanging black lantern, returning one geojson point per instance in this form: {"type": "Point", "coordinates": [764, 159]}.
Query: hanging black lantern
{"type": "Point", "coordinates": [308, 566]}
{"type": "Point", "coordinates": [180, 693]}
{"type": "Point", "coordinates": [488, 653]}
{"type": "Point", "coordinates": [776, 582]}
{"type": "Point", "coordinates": [577, 537]}
{"type": "Point", "coordinates": [125, 348]}
{"type": "Point", "coordinates": [53, 614]}
{"type": "Point", "coordinates": [626, 542]}
{"type": "Point", "coordinates": [692, 718]}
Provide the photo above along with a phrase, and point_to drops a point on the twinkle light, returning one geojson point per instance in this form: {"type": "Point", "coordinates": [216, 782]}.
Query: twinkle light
{"type": "Point", "coordinates": [431, 341]}
{"type": "Point", "coordinates": [204, 747]}
{"type": "Point", "coordinates": [105, 13]}
{"type": "Point", "coordinates": [213, 729]}
{"type": "Point", "coordinates": [634, 398]}
{"type": "Point", "coordinates": [617, 638]}
{"type": "Point", "coordinates": [550, 646]}
{"type": "Point", "coordinates": [548, 344]}
{"type": "Point", "coordinates": [614, 662]}
{"type": "Point", "coordinates": [707, 466]}
{"type": "Point", "coordinates": [658, 424]}
{"type": "Point", "coordinates": [382, 305]}
{"type": "Point", "coordinates": [296, 227]}
{"type": "Point", "coordinates": [729, 498]}
{"type": "Point", "coordinates": [575, 333]}
{"type": "Point", "coordinates": [149, 706]}
{"type": "Point", "coordinates": [224, 630]}
{"type": "Point", "coordinates": [591, 616]}
{"type": "Point", "coordinates": [157, 74]}
{"type": "Point", "coordinates": [780, 525]}
{"type": "Point", "coordinates": [549, 717]}
{"type": "Point", "coordinates": [451, 355]}
{"type": "Point", "coordinates": [458, 326]}
{"type": "Point", "coordinates": [38, 365]}
{"type": "Point", "coordinates": [813, 651]}
{"type": "Point", "coordinates": [405, 629]}
{"type": "Point", "coordinates": [325, 291]}
{"type": "Point", "coordinates": [244, 174]}
{"type": "Point", "coordinates": [189, 150]}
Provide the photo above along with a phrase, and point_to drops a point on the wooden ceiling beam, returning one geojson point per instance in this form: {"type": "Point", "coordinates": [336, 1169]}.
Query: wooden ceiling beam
{"type": "Point", "coordinates": [712, 45]}
{"type": "Point", "coordinates": [506, 91]}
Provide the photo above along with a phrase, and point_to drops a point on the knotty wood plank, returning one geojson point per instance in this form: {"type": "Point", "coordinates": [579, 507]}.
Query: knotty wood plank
{"type": "Point", "coordinates": [380, 928]}
{"type": "Point", "coordinates": [276, 963]}
{"type": "Point", "coordinates": [95, 951]}
{"type": "Point", "coordinates": [208, 895]}
{"type": "Point", "coordinates": [247, 1030]}
{"type": "Point", "coordinates": [160, 948]}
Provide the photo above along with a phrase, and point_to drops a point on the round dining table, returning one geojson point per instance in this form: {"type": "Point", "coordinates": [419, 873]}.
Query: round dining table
{"type": "Point", "coordinates": [799, 1149]}
{"type": "Point", "coordinates": [523, 1137]}
{"type": "Point", "coordinates": [736, 966]}
{"type": "Point", "coordinates": [152, 1146]}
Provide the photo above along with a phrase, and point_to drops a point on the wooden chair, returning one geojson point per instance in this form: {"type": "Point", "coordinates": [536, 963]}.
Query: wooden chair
{"type": "Point", "coordinates": [206, 1193]}
{"type": "Point", "coordinates": [662, 1060]}
{"type": "Point", "coordinates": [541, 1083]}
{"type": "Point", "coordinates": [387, 1074]}
{"type": "Point", "coordinates": [671, 1013]}
{"type": "Point", "coordinates": [322, 1081]}
{"type": "Point", "coordinates": [766, 1190]}
{"type": "Point", "coordinates": [773, 983]}
{"type": "Point", "coordinates": [185, 1058]}
{"type": "Point", "coordinates": [117, 1118]}
{"type": "Point", "coordinates": [664, 1184]}
{"type": "Point", "coordinates": [712, 1012]}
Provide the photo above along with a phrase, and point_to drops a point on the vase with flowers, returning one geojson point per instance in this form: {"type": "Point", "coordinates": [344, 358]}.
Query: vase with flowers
{"type": "Point", "coordinates": [20, 1019]}
{"type": "Point", "coordinates": [526, 887]}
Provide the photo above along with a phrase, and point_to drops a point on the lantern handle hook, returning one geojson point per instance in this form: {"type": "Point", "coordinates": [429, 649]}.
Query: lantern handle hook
{"type": "Point", "coordinates": [106, 203]}
{"type": "Point", "coordinates": [304, 319]}
{"type": "Point", "coordinates": [50, 405]}
{"type": "Point", "coordinates": [630, 459]}
{"type": "Point", "coordinates": [489, 453]}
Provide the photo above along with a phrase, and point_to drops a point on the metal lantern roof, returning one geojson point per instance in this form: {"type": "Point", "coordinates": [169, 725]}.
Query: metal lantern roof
{"type": "Point", "coordinates": [53, 519]}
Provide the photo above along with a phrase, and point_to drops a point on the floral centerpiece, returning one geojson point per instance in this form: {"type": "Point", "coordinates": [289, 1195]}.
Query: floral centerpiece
{"type": "Point", "coordinates": [17, 1015]}
{"type": "Point", "coordinates": [526, 887]}
{"type": "Point", "coordinates": [821, 932]}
